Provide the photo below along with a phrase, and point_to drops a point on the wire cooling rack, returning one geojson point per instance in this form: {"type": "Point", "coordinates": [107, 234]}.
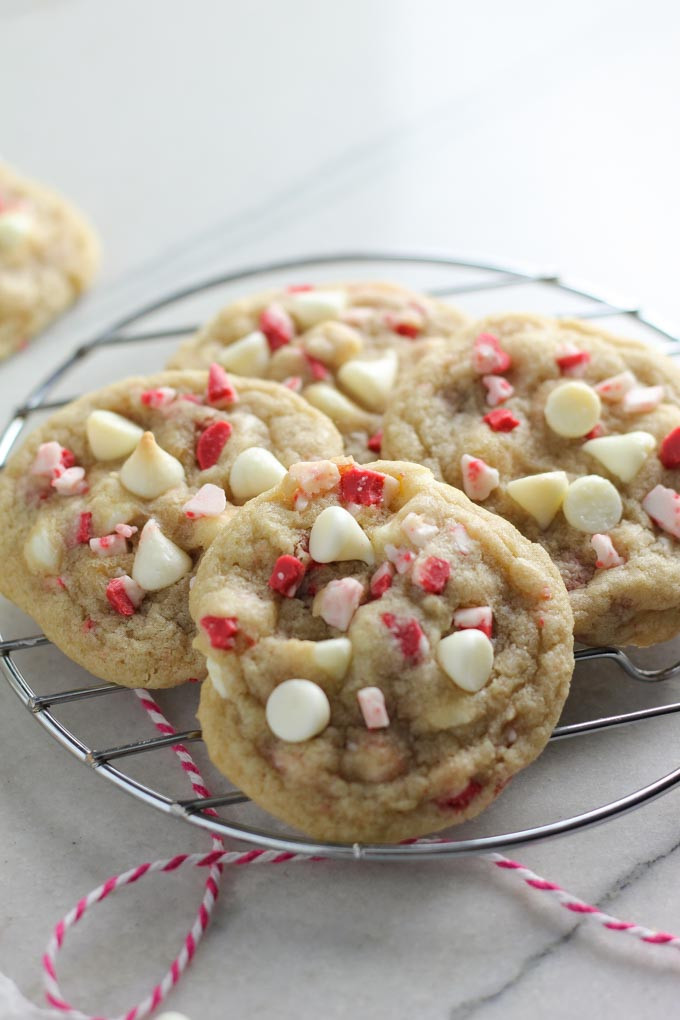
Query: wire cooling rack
{"type": "Point", "coordinates": [610, 692]}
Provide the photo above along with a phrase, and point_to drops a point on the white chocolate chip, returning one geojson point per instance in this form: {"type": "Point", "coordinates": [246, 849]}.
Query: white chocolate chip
{"type": "Point", "coordinates": [15, 227]}
{"type": "Point", "coordinates": [592, 504]}
{"type": "Point", "coordinates": [209, 501]}
{"type": "Point", "coordinates": [312, 306]}
{"type": "Point", "coordinates": [336, 536]}
{"type": "Point", "coordinates": [607, 556]}
{"type": "Point", "coordinates": [42, 551]}
{"type": "Point", "coordinates": [255, 470]}
{"type": "Point", "coordinates": [572, 409]}
{"type": "Point", "coordinates": [622, 455]}
{"type": "Point", "coordinates": [615, 387]}
{"type": "Point", "coordinates": [467, 658]}
{"type": "Point", "coordinates": [149, 471]}
{"type": "Point", "coordinates": [540, 495]}
{"type": "Point", "coordinates": [372, 704]}
{"type": "Point", "coordinates": [297, 710]}
{"type": "Point", "coordinates": [215, 674]}
{"type": "Point", "coordinates": [337, 602]}
{"type": "Point", "coordinates": [158, 562]}
{"type": "Point", "coordinates": [370, 382]}
{"type": "Point", "coordinates": [315, 477]}
{"type": "Point", "coordinates": [479, 478]}
{"type": "Point", "coordinates": [110, 435]}
{"type": "Point", "coordinates": [663, 506]}
{"type": "Point", "coordinates": [247, 356]}
{"type": "Point", "coordinates": [642, 399]}
{"type": "Point", "coordinates": [333, 656]}
{"type": "Point", "coordinates": [418, 530]}
{"type": "Point", "coordinates": [339, 409]}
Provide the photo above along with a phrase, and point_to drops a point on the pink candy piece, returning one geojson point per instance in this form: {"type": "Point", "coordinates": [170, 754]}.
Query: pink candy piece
{"type": "Point", "coordinates": [571, 360]}
{"type": "Point", "coordinates": [277, 326]}
{"type": "Point", "coordinates": [220, 391]}
{"type": "Point", "coordinates": [615, 387]}
{"type": "Point", "coordinates": [402, 558]}
{"type": "Point", "coordinates": [209, 501]}
{"type": "Point", "coordinates": [475, 618]}
{"type": "Point", "coordinates": [479, 478]}
{"type": "Point", "coordinates": [126, 530]}
{"type": "Point", "coordinates": [161, 397]}
{"type": "Point", "coordinates": [70, 482]}
{"type": "Point", "coordinates": [663, 506]}
{"type": "Point", "coordinates": [108, 545]}
{"type": "Point", "coordinates": [642, 398]}
{"type": "Point", "coordinates": [488, 355]}
{"type": "Point", "coordinates": [314, 478]}
{"type": "Point", "coordinates": [607, 555]}
{"type": "Point", "coordinates": [294, 383]}
{"type": "Point", "coordinates": [418, 529]}
{"type": "Point", "coordinates": [51, 459]}
{"type": "Point", "coordinates": [338, 601]}
{"type": "Point", "coordinates": [372, 704]}
{"type": "Point", "coordinates": [432, 574]}
{"type": "Point", "coordinates": [461, 539]}
{"type": "Point", "coordinates": [499, 389]}
{"type": "Point", "coordinates": [381, 580]}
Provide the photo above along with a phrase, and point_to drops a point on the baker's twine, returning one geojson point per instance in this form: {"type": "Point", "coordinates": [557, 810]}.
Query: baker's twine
{"type": "Point", "coordinates": [218, 858]}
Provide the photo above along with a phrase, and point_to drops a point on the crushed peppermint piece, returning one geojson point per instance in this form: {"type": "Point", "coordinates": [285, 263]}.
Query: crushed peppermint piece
{"type": "Point", "coordinates": [410, 327]}
{"type": "Point", "coordinates": [337, 602]}
{"type": "Point", "coordinates": [501, 420]}
{"type": "Point", "coordinates": [294, 383]}
{"type": "Point", "coordinates": [615, 387]}
{"type": "Point", "coordinates": [418, 530]}
{"type": "Point", "coordinates": [126, 530]}
{"type": "Point", "coordinates": [488, 355]}
{"type": "Point", "coordinates": [410, 636]}
{"type": "Point", "coordinates": [461, 539]}
{"type": "Point", "coordinates": [108, 545]}
{"type": "Point", "coordinates": [299, 288]}
{"type": "Point", "coordinates": [641, 399]}
{"type": "Point", "coordinates": [607, 555]}
{"type": "Point", "coordinates": [191, 398]}
{"type": "Point", "coordinates": [70, 482]}
{"type": "Point", "coordinates": [571, 360]}
{"type": "Point", "coordinates": [366, 487]}
{"type": "Point", "coordinates": [52, 459]}
{"type": "Point", "coordinates": [209, 501]}
{"type": "Point", "coordinates": [211, 443]}
{"type": "Point", "coordinates": [287, 575]}
{"type": "Point", "coordinates": [277, 326]}
{"type": "Point", "coordinates": [381, 580]}
{"type": "Point", "coordinates": [372, 704]}
{"type": "Point", "coordinates": [401, 558]}
{"type": "Point", "coordinates": [221, 391]}
{"type": "Point", "coordinates": [432, 574]}
{"type": "Point", "coordinates": [663, 506]}
{"type": "Point", "coordinates": [498, 389]}
{"type": "Point", "coordinates": [84, 532]}
{"type": "Point", "coordinates": [314, 478]}
{"type": "Point", "coordinates": [669, 451]}
{"type": "Point", "coordinates": [479, 478]}
{"type": "Point", "coordinates": [124, 594]}
{"type": "Point", "coordinates": [160, 397]}
{"type": "Point", "coordinates": [474, 618]}
{"type": "Point", "coordinates": [596, 432]}
{"type": "Point", "coordinates": [317, 368]}
{"type": "Point", "coordinates": [462, 800]}
{"type": "Point", "coordinates": [375, 441]}
{"type": "Point", "coordinates": [221, 631]}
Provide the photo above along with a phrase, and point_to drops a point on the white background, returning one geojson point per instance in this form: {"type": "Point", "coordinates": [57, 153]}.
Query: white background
{"type": "Point", "coordinates": [201, 136]}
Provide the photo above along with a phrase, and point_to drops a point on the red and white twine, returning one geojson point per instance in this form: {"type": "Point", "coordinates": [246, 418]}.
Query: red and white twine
{"type": "Point", "coordinates": [218, 858]}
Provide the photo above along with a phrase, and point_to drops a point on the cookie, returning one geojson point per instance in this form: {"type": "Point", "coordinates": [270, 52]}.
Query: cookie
{"type": "Point", "coordinates": [48, 256]}
{"type": "Point", "coordinates": [107, 507]}
{"type": "Point", "coordinates": [340, 345]}
{"type": "Point", "coordinates": [383, 655]}
{"type": "Point", "coordinates": [573, 435]}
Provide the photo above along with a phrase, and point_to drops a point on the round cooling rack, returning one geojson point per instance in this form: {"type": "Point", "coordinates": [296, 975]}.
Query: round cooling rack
{"type": "Point", "coordinates": [610, 691]}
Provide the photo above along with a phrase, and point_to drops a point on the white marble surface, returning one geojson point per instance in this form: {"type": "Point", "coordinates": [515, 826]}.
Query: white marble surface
{"type": "Point", "coordinates": [207, 136]}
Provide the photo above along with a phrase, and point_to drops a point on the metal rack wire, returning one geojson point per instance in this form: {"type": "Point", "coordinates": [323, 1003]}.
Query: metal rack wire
{"type": "Point", "coordinates": [477, 286]}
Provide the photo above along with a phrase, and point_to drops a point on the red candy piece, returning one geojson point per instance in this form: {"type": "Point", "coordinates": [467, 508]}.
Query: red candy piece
{"type": "Point", "coordinates": [596, 431]}
{"type": "Point", "coordinates": [572, 360]}
{"type": "Point", "coordinates": [287, 575]}
{"type": "Point", "coordinates": [119, 598]}
{"type": "Point", "coordinates": [360, 485]}
{"type": "Point", "coordinates": [403, 328]}
{"type": "Point", "coordinates": [211, 444]}
{"type": "Point", "coordinates": [375, 442]}
{"type": "Point", "coordinates": [381, 580]}
{"type": "Point", "coordinates": [277, 326]}
{"type": "Point", "coordinates": [221, 631]}
{"type": "Point", "coordinates": [220, 388]}
{"type": "Point", "coordinates": [501, 420]}
{"type": "Point", "coordinates": [489, 356]}
{"type": "Point", "coordinates": [461, 800]}
{"type": "Point", "coordinates": [84, 533]}
{"type": "Point", "coordinates": [68, 458]}
{"type": "Point", "coordinates": [409, 634]}
{"type": "Point", "coordinates": [669, 452]}
{"type": "Point", "coordinates": [433, 574]}
{"type": "Point", "coordinates": [299, 288]}
{"type": "Point", "coordinates": [317, 368]}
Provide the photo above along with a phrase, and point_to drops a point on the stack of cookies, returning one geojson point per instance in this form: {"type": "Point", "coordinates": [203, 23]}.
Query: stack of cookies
{"type": "Point", "coordinates": [372, 528]}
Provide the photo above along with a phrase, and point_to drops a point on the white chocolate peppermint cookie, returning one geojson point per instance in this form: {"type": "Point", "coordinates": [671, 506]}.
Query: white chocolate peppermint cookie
{"type": "Point", "coordinates": [383, 654]}
{"type": "Point", "coordinates": [580, 451]}
{"type": "Point", "coordinates": [48, 256]}
{"type": "Point", "coordinates": [341, 345]}
{"type": "Point", "coordinates": [108, 506]}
